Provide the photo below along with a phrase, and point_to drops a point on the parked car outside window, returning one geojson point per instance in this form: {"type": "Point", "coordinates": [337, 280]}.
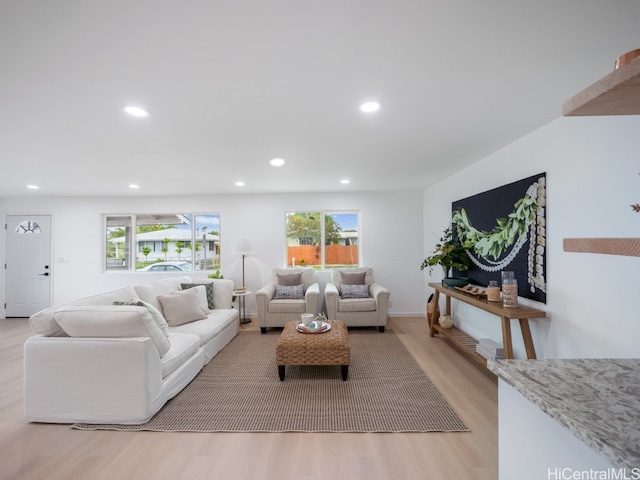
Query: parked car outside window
{"type": "Point", "coordinates": [167, 267]}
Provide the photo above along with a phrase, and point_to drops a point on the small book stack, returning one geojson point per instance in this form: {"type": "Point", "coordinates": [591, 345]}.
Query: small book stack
{"type": "Point", "coordinates": [489, 349]}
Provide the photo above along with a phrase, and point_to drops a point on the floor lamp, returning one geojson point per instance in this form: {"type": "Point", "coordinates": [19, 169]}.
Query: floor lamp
{"type": "Point", "coordinates": [243, 247]}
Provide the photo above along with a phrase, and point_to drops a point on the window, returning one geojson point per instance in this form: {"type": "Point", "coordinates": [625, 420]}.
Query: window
{"type": "Point", "coordinates": [118, 242]}
{"type": "Point", "coordinates": [323, 239]}
{"type": "Point", "coordinates": [28, 227]}
{"type": "Point", "coordinates": [163, 242]}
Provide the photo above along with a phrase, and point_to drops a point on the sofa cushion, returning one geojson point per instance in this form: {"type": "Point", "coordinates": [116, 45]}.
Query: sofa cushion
{"type": "Point", "coordinates": [357, 305]}
{"type": "Point", "coordinates": [149, 292]}
{"type": "Point", "coordinates": [44, 324]}
{"type": "Point", "coordinates": [354, 291]}
{"type": "Point", "coordinates": [287, 306]}
{"type": "Point", "coordinates": [155, 313]}
{"type": "Point", "coordinates": [208, 291]}
{"type": "Point", "coordinates": [289, 279]}
{"type": "Point", "coordinates": [222, 293]}
{"type": "Point", "coordinates": [209, 327]}
{"type": "Point", "coordinates": [157, 316]}
{"type": "Point", "coordinates": [289, 292]}
{"type": "Point", "coordinates": [183, 347]}
{"type": "Point", "coordinates": [352, 278]}
{"type": "Point", "coordinates": [181, 307]}
{"type": "Point", "coordinates": [307, 275]}
{"type": "Point", "coordinates": [112, 321]}
{"type": "Point", "coordinates": [201, 290]}
{"type": "Point", "coordinates": [336, 275]}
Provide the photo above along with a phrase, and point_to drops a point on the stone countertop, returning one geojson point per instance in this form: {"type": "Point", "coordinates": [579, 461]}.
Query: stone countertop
{"type": "Point", "coordinates": [598, 400]}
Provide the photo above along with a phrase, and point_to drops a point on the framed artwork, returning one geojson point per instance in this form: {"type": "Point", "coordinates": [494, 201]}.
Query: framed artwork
{"type": "Point", "coordinates": [505, 229]}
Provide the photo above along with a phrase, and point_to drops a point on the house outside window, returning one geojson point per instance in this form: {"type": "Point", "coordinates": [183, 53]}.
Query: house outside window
{"type": "Point", "coordinates": [323, 239]}
{"type": "Point", "coordinates": [162, 238]}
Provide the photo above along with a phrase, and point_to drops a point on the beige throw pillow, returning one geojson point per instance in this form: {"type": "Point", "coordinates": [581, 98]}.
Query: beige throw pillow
{"type": "Point", "coordinates": [289, 279]}
{"type": "Point", "coordinates": [157, 317]}
{"type": "Point", "coordinates": [208, 290]}
{"type": "Point", "coordinates": [181, 307]}
{"type": "Point", "coordinates": [356, 278]}
{"type": "Point", "coordinates": [202, 298]}
{"type": "Point", "coordinates": [155, 313]}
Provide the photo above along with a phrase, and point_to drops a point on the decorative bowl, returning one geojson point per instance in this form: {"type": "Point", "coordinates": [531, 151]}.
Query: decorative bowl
{"type": "Point", "coordinates": [455, 281]}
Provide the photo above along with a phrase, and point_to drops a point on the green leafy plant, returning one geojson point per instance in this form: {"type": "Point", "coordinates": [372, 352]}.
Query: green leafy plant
{"type": "Point", "coordinates": [449, 253]}
{"type": "Point", "coordinates": [494, 243]}
{"type": "Point", "coordinates": [145, 251]}
{"type": "Point", "coordinates": [216, 274]}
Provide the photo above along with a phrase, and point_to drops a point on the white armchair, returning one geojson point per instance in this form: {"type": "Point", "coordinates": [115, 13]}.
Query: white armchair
{"type": "Point", "coordinates": [291, 292]}
{"type": "Point", "coordinates": [362, 303]}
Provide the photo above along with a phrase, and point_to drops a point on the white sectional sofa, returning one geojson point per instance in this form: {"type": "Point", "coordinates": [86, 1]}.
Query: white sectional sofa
{"type": "Point", "coordinates": [117, 357]}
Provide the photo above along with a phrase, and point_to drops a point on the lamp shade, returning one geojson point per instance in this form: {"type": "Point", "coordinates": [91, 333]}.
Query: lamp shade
{"type": "Point", "coordinates": [243, 247]}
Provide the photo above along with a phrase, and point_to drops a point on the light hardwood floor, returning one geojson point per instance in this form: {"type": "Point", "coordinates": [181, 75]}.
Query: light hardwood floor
{"type": "Point", "coordinates": [44, 451]}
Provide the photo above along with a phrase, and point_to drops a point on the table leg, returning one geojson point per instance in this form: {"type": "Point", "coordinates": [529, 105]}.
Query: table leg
{"type": "Point", "coordinates": [506, 337]}
{"type": "Point", "coordinates": [526, 338]}
{"type": "Point", "coordinates": [242, 304]}
{"type": "Point", "coordinates": [433, 311]}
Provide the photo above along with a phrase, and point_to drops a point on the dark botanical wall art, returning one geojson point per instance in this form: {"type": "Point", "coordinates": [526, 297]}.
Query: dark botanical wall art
{"type": "Point", "coordinates": [505, 229]}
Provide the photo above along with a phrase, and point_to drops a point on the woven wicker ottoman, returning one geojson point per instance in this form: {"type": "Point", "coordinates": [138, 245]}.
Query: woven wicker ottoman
{"type": "Point", "coordinates": [328, 348]}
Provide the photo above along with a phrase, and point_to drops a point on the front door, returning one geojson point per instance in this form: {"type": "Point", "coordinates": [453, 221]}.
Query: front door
{"type": "Point", "coordinates": [28, 266]}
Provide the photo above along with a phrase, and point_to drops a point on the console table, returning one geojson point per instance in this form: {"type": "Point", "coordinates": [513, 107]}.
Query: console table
{"type": "Point", "coordinates": [465, 342]}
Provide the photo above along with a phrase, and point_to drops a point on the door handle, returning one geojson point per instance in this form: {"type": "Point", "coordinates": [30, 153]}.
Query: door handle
{"type": "Point", "coordinates": [46, 274]}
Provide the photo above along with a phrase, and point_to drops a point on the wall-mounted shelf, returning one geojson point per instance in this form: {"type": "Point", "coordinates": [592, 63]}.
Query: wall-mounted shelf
{"type": "Point", "coordinates": [629, 247]}
{"type": "Point", "coordinates": [618, 93]}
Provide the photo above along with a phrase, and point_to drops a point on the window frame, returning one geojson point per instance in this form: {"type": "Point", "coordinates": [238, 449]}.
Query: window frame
{"type": "Point", "coordinates": [205, 225]}
{"type": "Point", "coordinates": [322, 265]}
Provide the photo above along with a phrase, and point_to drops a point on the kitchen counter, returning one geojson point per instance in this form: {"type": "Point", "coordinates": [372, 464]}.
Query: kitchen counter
{"type": "Point", "coordinates": [598, 400]}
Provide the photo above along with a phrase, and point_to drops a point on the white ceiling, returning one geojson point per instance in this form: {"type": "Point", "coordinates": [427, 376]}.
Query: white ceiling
{"type": "Point", "coordinates": [231, 84]}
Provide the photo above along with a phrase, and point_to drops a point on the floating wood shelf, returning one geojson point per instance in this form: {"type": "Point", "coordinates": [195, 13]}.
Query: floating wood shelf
{"type": "Point", "coordinates": [629, 247]}
{"type": "Point", "coordinates": [618, 93]}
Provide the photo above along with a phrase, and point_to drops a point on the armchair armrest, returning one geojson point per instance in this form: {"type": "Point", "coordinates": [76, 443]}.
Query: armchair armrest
{"type": "Point", "coordinates": [263, 297]}
{"type": "Point", "coordinates": [331, 297]}
{"type": "Point", "coordinates": [381, 295]}
{"type": "Point", "coordinates": [311, 298]}
{"type": "Point", "coordinates": [377, 291]}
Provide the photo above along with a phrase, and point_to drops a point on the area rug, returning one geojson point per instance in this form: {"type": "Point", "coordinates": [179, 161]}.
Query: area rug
{"type": "Point", "coordinates": [239, 391]}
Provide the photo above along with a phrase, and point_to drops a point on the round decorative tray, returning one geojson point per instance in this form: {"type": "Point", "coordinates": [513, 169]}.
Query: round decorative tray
{"type": "Point", "coordinates": [314, 327]}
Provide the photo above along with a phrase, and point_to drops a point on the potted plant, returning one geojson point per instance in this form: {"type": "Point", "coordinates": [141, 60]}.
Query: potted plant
{"type": "Point", "coordinates": [449, 253]}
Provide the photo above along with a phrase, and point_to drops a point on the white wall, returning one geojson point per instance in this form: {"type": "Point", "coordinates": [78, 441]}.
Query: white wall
{"type": "Point", "coordinates": [592, 166]}
{"type": "Point", "coordinates": [391, 238]}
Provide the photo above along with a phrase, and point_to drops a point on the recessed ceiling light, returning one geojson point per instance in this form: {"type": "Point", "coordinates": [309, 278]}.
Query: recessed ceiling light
{"type": "Point", "coordinates": [277, 162]}
{"type": "Point", "coordinates": [239, 183]}
{"type": "Point", "coordinates": [370, 107]}
{"type": "Point", "coordinates": [33, 187]}
{"type": "Point", "coordinates": [136, 111]}
{"type": "Point", "coordinates": [134, 186]}
{"type": "Point", "coordinates": [344, 181]}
